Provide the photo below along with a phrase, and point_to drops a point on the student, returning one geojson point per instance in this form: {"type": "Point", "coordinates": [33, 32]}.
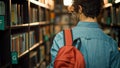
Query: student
{"type": "Point", "coordinates": [99, 50]}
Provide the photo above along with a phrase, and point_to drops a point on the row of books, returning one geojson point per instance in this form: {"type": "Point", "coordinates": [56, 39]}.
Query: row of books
{"type": "Point", "coordinates": [34, 14]}
{"type": "Point", "coordinates": [41, 57]}
{"type": "Point", "coordinates": [37, 58]}
{"type": "Point", "coordinates": [111, 15]}
{"type": "Point", "coordinates": [32, 38]}
{"type": "Point", "coordinates": [118, 14]}
{"type": "Point", "coordinates": [17, 14]}
{"type": "Point", "coordinates": [21, 42]}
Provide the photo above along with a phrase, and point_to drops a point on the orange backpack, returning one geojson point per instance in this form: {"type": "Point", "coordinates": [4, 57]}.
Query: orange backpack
{"type": "Point", "coordinates": [69, 56]}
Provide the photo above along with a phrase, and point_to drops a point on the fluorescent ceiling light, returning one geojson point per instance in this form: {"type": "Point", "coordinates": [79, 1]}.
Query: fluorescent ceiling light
{"type": "Point", "coordinates": [117, 1]}
{"type": "Point", "coordinates": [67, 2]}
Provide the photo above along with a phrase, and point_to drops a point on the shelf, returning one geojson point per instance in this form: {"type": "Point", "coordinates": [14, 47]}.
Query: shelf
{"type": "Point", "coordinates": [107, 5]}
{"type": "Point", "coordinates": [44, 23]}
{"type": "Point", "coordinates": [19, 26]}
{"type": "Point", "coordinates": [23, 53]}
{"type": "Point", "coordinates": [36, 45]}
{"type": "Point", "coordinates": [38, 23]}
{"type": "Point", "coordinates": [26, 25]}
{"type": "Point", "coordinates": [39, 4]}
{"type": "Point", "coordinates": [33, 47]}
{"type": "Point", "coordinates": [26, 22]}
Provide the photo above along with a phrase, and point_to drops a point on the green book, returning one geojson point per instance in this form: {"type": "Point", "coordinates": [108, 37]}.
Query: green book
{"type": "Point", "coordinates": [2, 25]}
{"type": "Point", "coordinates": [2, 13]}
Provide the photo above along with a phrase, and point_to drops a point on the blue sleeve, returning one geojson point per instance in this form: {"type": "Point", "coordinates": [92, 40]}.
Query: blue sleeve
{"type": "Point", "coordinates": [115, 56]}
{"type": "Point", "coordinates": [57, 43]}
{"type": "Point", "coordinates": [53, 52]}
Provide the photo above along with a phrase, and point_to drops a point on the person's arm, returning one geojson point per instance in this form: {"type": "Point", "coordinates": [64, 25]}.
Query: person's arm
{"type": "Point", "coordinates": [115, 57]}
{"type": "Point", "coordinates": [57, 43]}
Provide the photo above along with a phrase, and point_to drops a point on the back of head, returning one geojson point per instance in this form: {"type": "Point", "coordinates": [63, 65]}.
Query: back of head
{"type": "Point", "coordinates": [90, 8]}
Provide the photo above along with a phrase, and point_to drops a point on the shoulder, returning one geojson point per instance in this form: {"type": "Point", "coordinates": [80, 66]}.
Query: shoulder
{"type": "Point", "coordinates": [112, 43]}
{"type": "Point", "coordinates": [111, 40]}
{"type": "Point", "coordinates": [59, 36]}
{"type": "Point", "coordinates": [58, 40]}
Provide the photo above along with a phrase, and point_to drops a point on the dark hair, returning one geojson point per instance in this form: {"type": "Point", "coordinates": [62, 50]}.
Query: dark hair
{"type": "Point", "coordinates": [90, 8]}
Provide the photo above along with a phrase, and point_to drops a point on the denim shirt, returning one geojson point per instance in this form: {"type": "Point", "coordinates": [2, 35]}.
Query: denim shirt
{"type": "Point", "coordinates": [99, 50]}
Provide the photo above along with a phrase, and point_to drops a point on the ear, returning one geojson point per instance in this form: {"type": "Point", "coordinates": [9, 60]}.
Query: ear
{"type": "Point", "coordinates": [70, 8]}
{"type": "Point", "coordinates": [80, 9]}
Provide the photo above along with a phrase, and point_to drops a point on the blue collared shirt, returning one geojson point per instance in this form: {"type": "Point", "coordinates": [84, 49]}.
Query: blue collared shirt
{"type": "Point", "coordinates": [99, 49]}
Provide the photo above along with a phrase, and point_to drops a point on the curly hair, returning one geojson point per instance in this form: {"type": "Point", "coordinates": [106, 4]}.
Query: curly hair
{"type": "Point", "coordinates": [90, 8]}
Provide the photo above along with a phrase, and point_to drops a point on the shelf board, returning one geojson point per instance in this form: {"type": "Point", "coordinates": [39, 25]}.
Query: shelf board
{"type": "Point", "coordinates": [23, 53]}
{"type": "Point", "coordinates": [40, 4]}
{"type": "Point", "coordinates": [107, 5]}
{"type": "Point", "coordinates": [34, 24]}
{"type": "Point", "coordinates": [29, 24]}
{"type": "Point", "coordinates": [18, 26]}
{"type": "Point", "coordinates": [43, 23]}
{"type": "Point", "coordinates": [38, 23]}
{"type": "Point", "coordinates": [34, 46]}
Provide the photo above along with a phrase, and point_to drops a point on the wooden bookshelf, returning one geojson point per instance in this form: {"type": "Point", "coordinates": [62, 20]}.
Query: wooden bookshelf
{"type": "Point", "coordinates": [110, 22]}
{"type": "Point", "coordinates": [22, 21]}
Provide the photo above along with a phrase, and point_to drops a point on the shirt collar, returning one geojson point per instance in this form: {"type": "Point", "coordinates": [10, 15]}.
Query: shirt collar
{"type": "Point", "coordinates": [88, 24]}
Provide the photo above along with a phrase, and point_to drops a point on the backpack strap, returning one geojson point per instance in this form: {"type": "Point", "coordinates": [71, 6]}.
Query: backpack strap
{"type": "Point", "coordinates": [68, 39]}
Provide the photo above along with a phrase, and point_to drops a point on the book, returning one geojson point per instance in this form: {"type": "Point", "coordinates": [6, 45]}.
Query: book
{"type": "Point", "coordinates": [15, 43]}
{"type": "Point", "coordinates": [2, 22]}
{"type": "Point", "coordinates": [2, 8]}
{"type": "Point", "coordinates": [118, 15]}
{"type": "Point", "coordinates": [2, 15]}
{"type": "Point", "coordinates": [41, 34]}
{"type": "Point", "coordinates": [14, 17]}
{"type": "Point", "coordinates": [42, 14]}
{"type": "Point", "coordinates": [32, 39]}
{"type": "Point", "coordinates": [26, 41]}
{"type": "Point", "coordinates": [33, 59]}
{"type": "Point", "coordinates": [34, 15]}
{"type": "Point", "coordinates": [42, 53]}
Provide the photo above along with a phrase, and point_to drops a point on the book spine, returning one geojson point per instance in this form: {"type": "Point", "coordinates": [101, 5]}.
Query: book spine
{"type": "Point", "coordinates": [14, 17]}
{"type": "Point", "coordinates": [2, 8]}
{"type": "Point", "coordinates": [2, 15]}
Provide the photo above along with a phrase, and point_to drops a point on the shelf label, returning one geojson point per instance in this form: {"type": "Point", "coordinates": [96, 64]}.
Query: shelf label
{"type": "Point", "coordinates": [2, 23]}
{"type": "Point", "coordinates": [14, 56]}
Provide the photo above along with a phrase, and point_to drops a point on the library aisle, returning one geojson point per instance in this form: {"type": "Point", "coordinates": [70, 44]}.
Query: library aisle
{"type": "Point", "coordinates": [27, 29]}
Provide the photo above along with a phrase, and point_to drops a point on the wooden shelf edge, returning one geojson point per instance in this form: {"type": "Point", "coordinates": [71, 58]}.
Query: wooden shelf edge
{"type": "Point", "coordinates": [23, 53]}
{"type": "Point", "coordinates": [34, 46]}
{"type": "Point", "coordinates": [107, 5]}
{"type": "Point", "coordinates": [40, 4]}
{"type": "Point", "coordinates": [21, 25]}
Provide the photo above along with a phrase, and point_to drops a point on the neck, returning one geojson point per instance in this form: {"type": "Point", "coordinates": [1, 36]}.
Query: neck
{"type": "Point", "coordinates": [87, 19]}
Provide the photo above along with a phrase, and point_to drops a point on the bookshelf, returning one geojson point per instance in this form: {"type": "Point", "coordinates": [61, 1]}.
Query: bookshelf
{"type": "Point", "coordinates": [23, 26]}
{"type": "Point", "coordinates": [110, 20]}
